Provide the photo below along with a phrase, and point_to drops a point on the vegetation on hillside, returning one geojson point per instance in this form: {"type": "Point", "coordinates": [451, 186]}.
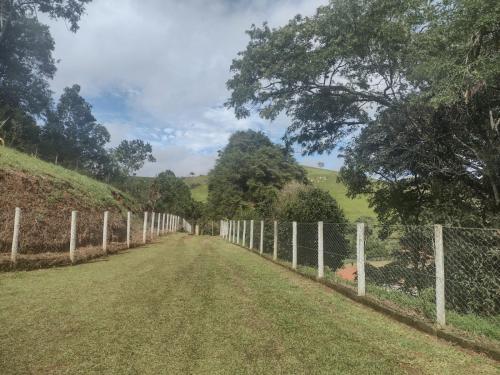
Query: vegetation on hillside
{"type": "Point", "coordinates": [47, 194]}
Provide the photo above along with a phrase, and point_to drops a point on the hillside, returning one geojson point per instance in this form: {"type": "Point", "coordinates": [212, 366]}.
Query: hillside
{"type": "Point", "coordinates": [47, 194]}
{"type": "Point", "coordinates": [327, 180]}
{"type": "Point", "coordinates": [198, 186]}
{"type": "Point", "coordinates": [322, 178]}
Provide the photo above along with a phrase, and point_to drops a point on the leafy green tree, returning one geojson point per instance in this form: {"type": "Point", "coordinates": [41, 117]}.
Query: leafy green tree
{"type": "Point", "coordinates": [131, 155]}
{"type": "Point", "coordinates": [19, 130]}
{"type": "Point", "coordinates": [171, 194]}
{"type": "Point", "coordinates": [248, 175]}
{"type": "Point", "coordinates": [72, 135]}
{"type": "Point", "coordinates": [26, 46]}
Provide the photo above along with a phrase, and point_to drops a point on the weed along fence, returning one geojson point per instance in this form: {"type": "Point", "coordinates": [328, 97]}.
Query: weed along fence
{"type": "Point", "coordinates": [25, 241]}
{"type": "Point", "coordinates": [442, 275]}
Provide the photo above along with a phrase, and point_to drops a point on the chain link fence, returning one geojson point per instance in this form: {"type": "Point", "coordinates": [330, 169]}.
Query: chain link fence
{"type": "Point", "coordinates": [400, 267]}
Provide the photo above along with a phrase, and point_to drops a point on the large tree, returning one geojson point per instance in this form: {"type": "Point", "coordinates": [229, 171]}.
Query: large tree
{"type": "Point", "coordinates": [131, 155]}
{"type": "Point", "coordinates": [248, 174]}
{"type": "Point", "coordinates": [413, 75]}
{"type": "Point", "coordinates": [26, 46]}
{"type": "Point", "coordinates": [73, 137]}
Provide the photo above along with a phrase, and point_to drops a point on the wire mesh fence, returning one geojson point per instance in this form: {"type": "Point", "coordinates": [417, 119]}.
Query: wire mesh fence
{"type": "Point", "coordinates": [32, 239]}
{"type": "Point", "coordinates": [399, 264]}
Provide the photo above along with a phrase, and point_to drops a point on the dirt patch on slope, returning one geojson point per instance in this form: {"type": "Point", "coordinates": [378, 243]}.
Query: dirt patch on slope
{"type": "Point", "coordinates": [46, 203]}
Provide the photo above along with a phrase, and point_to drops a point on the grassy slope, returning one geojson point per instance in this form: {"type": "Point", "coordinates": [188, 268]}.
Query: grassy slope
{"type": "Point", "coordinates": [198, 186]}
{"type": "Point", "coordinates": [90, 191]}
{"type": "Point", "coordinates": [322, 178]}
{"type": "Point", "coordinates": [198, 305]}
{"type": "Point", "coordinates": [327, 180]}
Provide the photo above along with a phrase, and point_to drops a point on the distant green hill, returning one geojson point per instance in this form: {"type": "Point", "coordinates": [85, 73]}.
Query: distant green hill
{"type": "Point", "coordinates": [322, 178]}
{"type": "Point", "coordinates": [198, 186]}
{"type": "Point", "coordinates": [327, 180]}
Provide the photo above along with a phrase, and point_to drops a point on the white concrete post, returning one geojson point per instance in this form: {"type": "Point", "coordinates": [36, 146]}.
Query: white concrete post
{"type": "Point", "coordinates": [72, 241]}
{"type": "Point", "coordinates": [294, 245]}
{"type": "Point", "coordinates": [129, 224]}
{"type": "Point", "coordinates": [261, 245]}
{"type": "Point", "coordinates": [360, 256]}
{"type": "Point", "coordinates": [243, 241]}
{"type": "Point", "coordinates": [163, 225]}
{"type": "Point", "coordinates": [145, 228]}
{"type": "Point", "coordinates": [105, 232]}
{"type": "Point", "coordinates": [439, 260]}
{"type": "Point", "coordinates": [158, 225]}
{"type": "Point", "coordinates": [233, 234]}
{"type": "Point", "coordinates": [321, 262]}
{"type": "Point", "coordinates": [220, 229]}
{"type": "Point", "coordinates": [197, 230]}
{"type": "Point", "coordinates": [152, 229]}
{"type": "Point", "coordinates": [15, 235]}
{"type": "Point", "coordinates": [229, 232]}
{"type": "Point", "coordinates": [251, 234]}
{"type": "Point", "coordinates": [275, 246]}
{"type": "Point", "coordinates": [238, 233]}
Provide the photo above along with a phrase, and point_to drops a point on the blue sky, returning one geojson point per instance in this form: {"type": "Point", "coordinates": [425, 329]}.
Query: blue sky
{"type": "Point", "coordinates": [156, 70]}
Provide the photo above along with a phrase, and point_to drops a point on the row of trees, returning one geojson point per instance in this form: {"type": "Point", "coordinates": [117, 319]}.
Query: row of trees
{"type": "Point", "coordinates": [66, 133]}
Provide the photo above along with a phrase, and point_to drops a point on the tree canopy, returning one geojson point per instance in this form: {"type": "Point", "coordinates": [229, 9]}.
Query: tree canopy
{"type": "Point", "coordinates": [248, 174]}
{"type": "Point", "coordinates": [413, 87]}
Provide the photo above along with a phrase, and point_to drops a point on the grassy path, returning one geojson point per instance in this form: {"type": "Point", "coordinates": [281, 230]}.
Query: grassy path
{"type": "Point", "coordinates": [201, 306]}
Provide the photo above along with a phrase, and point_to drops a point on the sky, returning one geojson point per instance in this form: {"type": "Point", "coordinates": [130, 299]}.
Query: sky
{"type": "Point", "coordinates": [157, 69]}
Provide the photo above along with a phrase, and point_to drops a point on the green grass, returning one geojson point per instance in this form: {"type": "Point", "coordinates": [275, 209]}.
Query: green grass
{"type": "Point", "coordinates": [62, 180]}
{"type": "Point", "coordinates": [199, 305]}
{"type": "Point", "coordinates": [327, 180]}
{"type": "Point", "coordinates": [198, 186]}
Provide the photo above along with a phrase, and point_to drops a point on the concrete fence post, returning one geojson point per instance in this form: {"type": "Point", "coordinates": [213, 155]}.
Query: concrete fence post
{"type": "Point", "coordinates": [163, 224]}
{"type": "Point", "coordinates": [15, 235]}
{"type": "Point", "coordinates": [197, 230]}
{"type": "Point", "coordinates": [158, 225]}
{"type": "Point", "coordinates": [105, 232]}
{"type": "Point", "coordinates": [243, 241]}
{"type": "Point", "coordinates": [73, 234]}
{"type": "Point", "coordinates": [233, 233]}
{"type": "Point", "coordinates": [220, 229]}
{"type": "Point", "coordinates": [321, 261]}
{"type": "Point", "coordinates": [275, 245]}
{"type": "Point", "coordinates": [439, 260]}
{"type": "Point", "coordinates": [238, 233]}
{"type": "Point", "coordinates": [261, 245]}
{"type": "Point", "coordinates": [294, 245]}
{"type": "Point", "coordinates": [129, 224]}
{"type": "Point", "coordinates": [360, 256]}
{"type": "Point", "coordinates": [145, 228]}
{"type": "Point", "coordinates": [152, 229]}
{"type": "Point", "coordinates": [251, 234]}
{"type": "Point", "coordinates": [229, 234]}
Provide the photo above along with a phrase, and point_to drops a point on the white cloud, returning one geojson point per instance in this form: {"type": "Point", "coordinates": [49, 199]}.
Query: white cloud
{"type": "Point", "coordinates": [167, 61]}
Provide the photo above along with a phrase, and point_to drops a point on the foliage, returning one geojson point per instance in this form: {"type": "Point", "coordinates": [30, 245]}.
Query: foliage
{"type": "Point", "coordinates": [307, 204]}
{"type": "Point", "coordinates": [170, 194]}
{"type": "Point", "coordinates": [73, 136]}
{"type": "Point", "coordinates": [131, 155]}
{"type": "Point", "coordinates": [248, 175]}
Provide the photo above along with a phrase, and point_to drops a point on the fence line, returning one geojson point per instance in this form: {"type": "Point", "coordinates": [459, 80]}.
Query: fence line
{"type": "Point", "coordinates": [447, 275]}
{"type": "Point", "coordinates": [157, 224]}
